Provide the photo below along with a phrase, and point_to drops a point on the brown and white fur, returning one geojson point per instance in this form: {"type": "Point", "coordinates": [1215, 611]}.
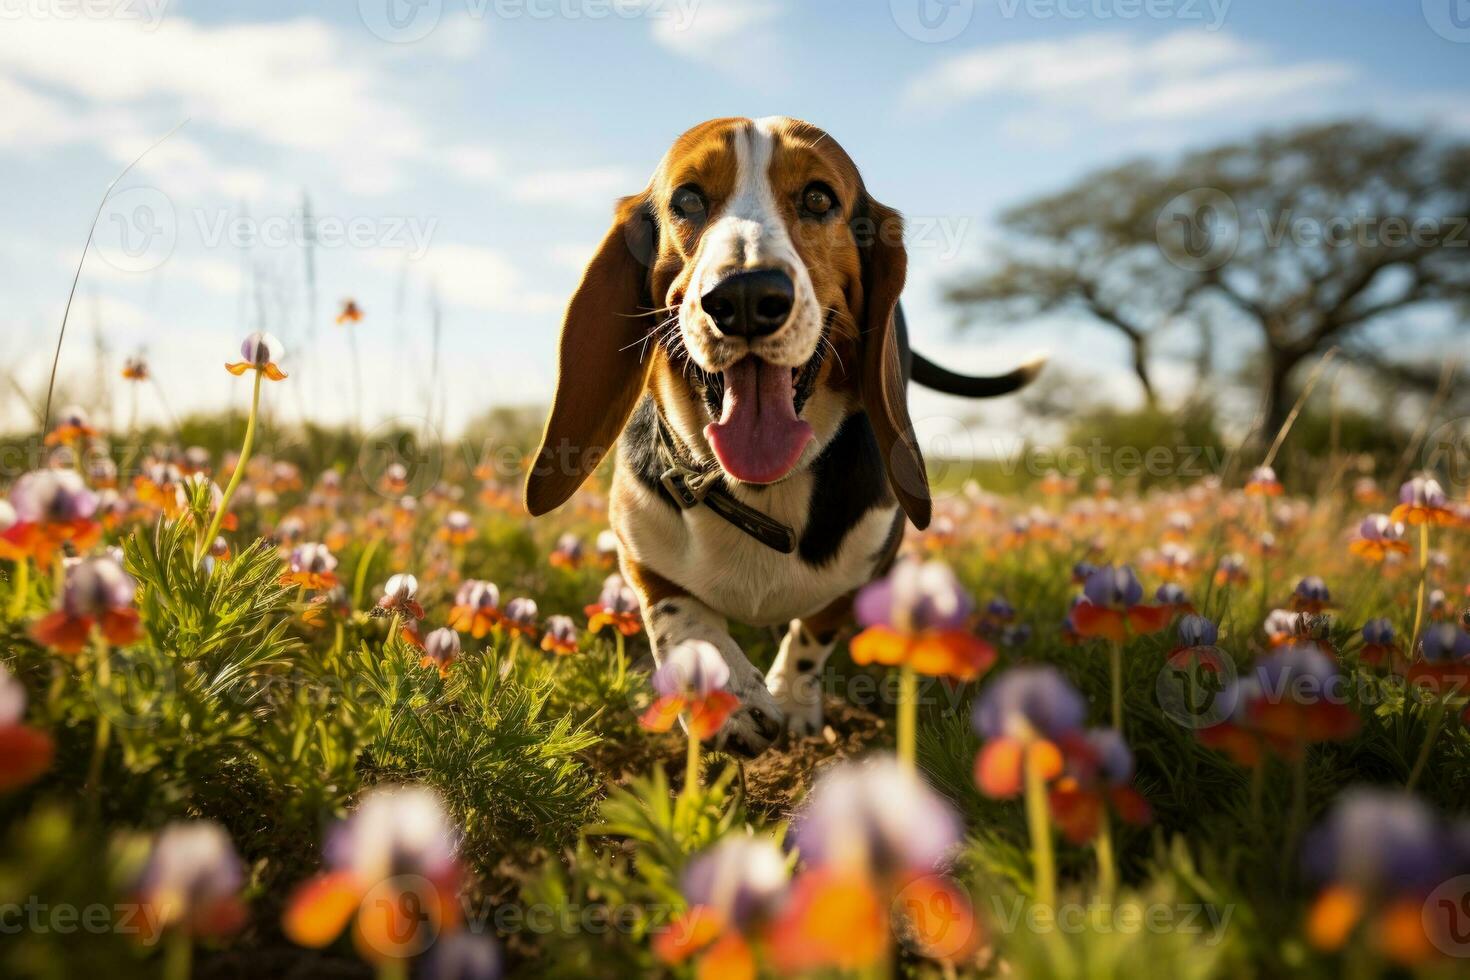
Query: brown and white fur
{"type": "Point", "coordinates": [638, 344]}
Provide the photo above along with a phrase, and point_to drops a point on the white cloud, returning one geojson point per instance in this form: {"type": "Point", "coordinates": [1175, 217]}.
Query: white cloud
{"type": "Point", "coordinates": [472, 277]}
{"type": "Point", "coordinates": [1119, 77]}
{"type": "Point", "coordinates": [594, 187]}
{"type": "Point", "coordinates": [736, 36]}
{"type": "Point", "coordinates": [478, 164]}
{"type": "Point", "coordinates": [296, 84]}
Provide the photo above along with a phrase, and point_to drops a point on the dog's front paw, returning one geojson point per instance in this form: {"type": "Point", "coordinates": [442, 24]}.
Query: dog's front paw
{"type": "Point", "coordinates": [757, 722]}
{"type": "Point", "coordinates": [795, 680]}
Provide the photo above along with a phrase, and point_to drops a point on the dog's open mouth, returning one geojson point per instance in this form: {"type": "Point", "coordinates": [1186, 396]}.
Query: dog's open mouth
{"type": "Point", "coordinates": [759, 437]}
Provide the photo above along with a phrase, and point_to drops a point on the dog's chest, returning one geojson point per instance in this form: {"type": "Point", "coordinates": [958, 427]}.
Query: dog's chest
{"type": "Point", "coordinates": [733, 573]}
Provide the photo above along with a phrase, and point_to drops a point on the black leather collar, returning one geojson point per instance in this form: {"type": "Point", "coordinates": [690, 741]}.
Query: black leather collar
{"type": "Point", "coordinates": [692, 485]}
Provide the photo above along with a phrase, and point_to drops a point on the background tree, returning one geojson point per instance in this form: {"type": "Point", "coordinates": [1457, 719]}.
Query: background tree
{"type": "Point", "coordinates": [1321, 236]}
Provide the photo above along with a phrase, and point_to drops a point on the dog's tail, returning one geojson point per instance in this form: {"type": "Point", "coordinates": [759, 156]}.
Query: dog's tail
{"type": "Point", "coordinates": [931, 375]}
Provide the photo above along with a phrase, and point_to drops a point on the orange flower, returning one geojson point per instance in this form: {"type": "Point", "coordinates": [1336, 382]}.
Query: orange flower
{"type": "Point", "coordinates": [394, 878]}
{"type": "Point", "coordinates": [97, 593]}
{"type": "Point", "coordinates": [1422, 501]}
{"type": "Point", "coordinates": [691, 681]}
{"type": "Point", "coordinates": [351, 313]}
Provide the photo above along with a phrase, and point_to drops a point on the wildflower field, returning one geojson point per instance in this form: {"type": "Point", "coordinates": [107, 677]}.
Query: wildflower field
{"type": "Point", "coordinates": [270, 711]}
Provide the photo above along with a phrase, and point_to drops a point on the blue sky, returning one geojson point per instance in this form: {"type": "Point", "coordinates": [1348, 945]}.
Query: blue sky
{"type": "Point", "coordinates": [472, 153]}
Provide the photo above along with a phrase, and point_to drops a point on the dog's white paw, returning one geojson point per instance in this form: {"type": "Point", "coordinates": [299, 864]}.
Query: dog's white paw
{"type": "Point", "coordinates": [795, 680]}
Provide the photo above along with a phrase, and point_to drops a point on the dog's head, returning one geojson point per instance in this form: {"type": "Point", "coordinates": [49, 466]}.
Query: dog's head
{"type": "Point", "coordinates": [751, 289]}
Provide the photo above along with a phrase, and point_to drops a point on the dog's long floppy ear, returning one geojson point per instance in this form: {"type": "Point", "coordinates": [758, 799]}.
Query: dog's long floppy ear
{"type": "Point", "coordinates": [879, 231]}
{"type": "Point", "coordinates": [601, 371]}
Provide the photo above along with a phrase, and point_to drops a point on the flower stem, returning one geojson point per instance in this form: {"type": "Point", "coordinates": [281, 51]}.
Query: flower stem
{"type": "Point", "coordinates": [1298, 801]}
{"type": "Point", "coordinates": [1107, 867]}
{"type": "Point", "coordinates": [20, 582]}
{"type": "Point", "coordinates": [103, 680]}
{"type": "Point", "coordinates": [622, 658]}
{"type": "Point", "coordinates": [691, 766]}
{"type": "Point", "coordinates": [908, 717]}
{"type": "Point", "coordinates": [1258, 793]}
{"type": "Point", "coordinates": [1436, 719]}
{"type": "Point", "coordinates": [178, 956]}
{"type": "Point", "coordinates": [1116, 666]}
{"type": "Point", "coordinates": [393, 623]}
{"type": "Point", "coordinates": [1039, 825]}
{"type": "Point", "coordinates": [1423, 584]}
{"type": "Point", "coordinates": [393, 968]}
{"type": "Point", "coordinates": [224, 504]}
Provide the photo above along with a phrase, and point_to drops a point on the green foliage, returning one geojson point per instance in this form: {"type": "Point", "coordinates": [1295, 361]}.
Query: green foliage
{"type": "Point", "coordinates": [634, 884]}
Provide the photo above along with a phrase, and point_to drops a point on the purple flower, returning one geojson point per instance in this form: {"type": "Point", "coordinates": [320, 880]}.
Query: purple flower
{"type": "Point", "coordinates": [1027, 703]}
{"type": "Point", "coordinates": [397, 830]}
{"type": "Point", "coordinates": [743, 878]}
{"type": "Point", "coordinates": [875, 816]}
{"type": "Point", "coordinates": [464, 956]}
{"type": "Point", "coordinates": [1313, 590]}
{"type": "Point", "coordinates": [521, 611]}
{"type": "Point", "coordinates": [1111, 757]}
{"type": "Point", "coordinates": [260, 349]}
{"type": "Point", "coordinates": [616, 596]}
{"type": "Point", "coordinates": [607, 545]}
{"type": "Point", "coordinates": [1082, 571]}
{"type": "Point", "coordinates": [312, 558]}
{"type": "Point", "coordinates": [1379, 632]}
{"type": "Point", "coordinates": [1170, 594]}
{"type": "Point", "coordinates": [1445, 643]}
{"type": "Point", "coordinates": [97, 586]}
{"type": "Point", "coordinates": [562, 631]}
{"type": "Point", "coordinates": [52, 497]}
{"type": "Point", "coordinates": [694, 669]}
{"type": "Point", "coordinates": [1381, 528]}
{"type": "Point", "coordinates": [1197, 631]}
{"type": "Point", "coordinates": [191, 870]}
{"type": "Point", "coordinates": [442, 647]}
{"type": "Point", "coordinates": [478, 595]}
{"type": "Point", "coordinates": [1114, 587]}
{"type": "Point", "coordinates": [1423, 491]}
{"type": "Point", "coordinates": [999, 610]}
{"type": "Point", "coordinates": [914, 597]}
{"type": "Point", "coordinates": [1385, 843]}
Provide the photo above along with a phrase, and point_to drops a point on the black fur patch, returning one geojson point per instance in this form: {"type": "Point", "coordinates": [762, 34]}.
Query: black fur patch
{"type": "Point", "coordinates": [849, 481]}
{"type": "Point", "coordinates": [638, 450]}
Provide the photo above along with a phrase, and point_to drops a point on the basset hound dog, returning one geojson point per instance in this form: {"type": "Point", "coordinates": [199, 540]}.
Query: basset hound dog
{"type": "Point", "coordinates": [737, 335]}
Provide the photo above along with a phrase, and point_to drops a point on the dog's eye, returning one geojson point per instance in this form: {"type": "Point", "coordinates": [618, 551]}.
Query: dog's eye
{"type": "Point", "coordinates": [817, 201]}
{"type": "Point", "coordinates": [688, 203]}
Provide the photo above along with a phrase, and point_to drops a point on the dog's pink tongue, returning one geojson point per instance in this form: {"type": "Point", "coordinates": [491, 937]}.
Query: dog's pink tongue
{"type": "Point", "coordinates": [758, 438]}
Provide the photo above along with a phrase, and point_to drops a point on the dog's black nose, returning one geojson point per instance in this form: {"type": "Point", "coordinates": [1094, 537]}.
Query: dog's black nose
{"type": "Point", "coordinates": [751, 304]}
